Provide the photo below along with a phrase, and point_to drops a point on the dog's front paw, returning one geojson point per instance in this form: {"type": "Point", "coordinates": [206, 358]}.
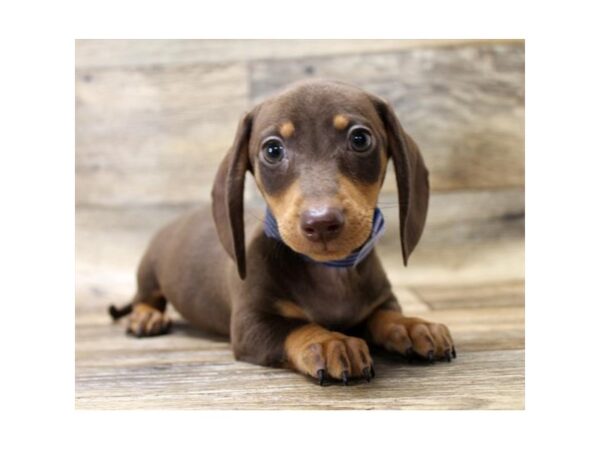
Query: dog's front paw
{"type": "Point", "coordinates": [323, 354]}
{"type": "Point", "coordinates": [411, 336]}
{"type": "Point", "coordinates": [147, 321]}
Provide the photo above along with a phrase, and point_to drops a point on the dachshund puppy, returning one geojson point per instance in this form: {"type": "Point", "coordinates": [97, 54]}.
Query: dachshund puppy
{"type": "Point", "coordinates": [308, 292]}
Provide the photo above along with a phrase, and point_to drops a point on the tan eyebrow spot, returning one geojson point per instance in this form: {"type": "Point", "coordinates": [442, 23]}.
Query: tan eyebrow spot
{"type": "Point", "coordinates": [286, 129]}
{"type": "Point", "coordinates": [340, 122]}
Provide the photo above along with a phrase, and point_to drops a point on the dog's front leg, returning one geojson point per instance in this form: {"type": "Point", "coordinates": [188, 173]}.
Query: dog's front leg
{"type": "Point", "coordinates": [388, 327]}
{"type": "Point", "coordinates": [306, 347]}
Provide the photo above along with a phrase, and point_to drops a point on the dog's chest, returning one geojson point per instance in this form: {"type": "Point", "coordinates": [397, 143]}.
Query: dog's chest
{"type": "Point", "coordinates": [335, 298]}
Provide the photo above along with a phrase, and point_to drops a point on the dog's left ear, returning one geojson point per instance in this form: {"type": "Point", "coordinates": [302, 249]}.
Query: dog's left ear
{"type": "Point", "coordinates": [412, 179]}
{"type": "Point", "coordinates": [228, 195]}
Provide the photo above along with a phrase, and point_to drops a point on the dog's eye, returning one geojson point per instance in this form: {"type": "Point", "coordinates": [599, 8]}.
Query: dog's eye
{"type": "Point", "coordinates": [273, 151]}
{"type": "Point", "coordinates": [360, 139]}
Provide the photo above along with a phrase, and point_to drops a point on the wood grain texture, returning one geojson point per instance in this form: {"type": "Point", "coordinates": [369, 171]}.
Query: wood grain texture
{"type": "Point", "coordinates": [155, 133]}
{"type": "Point", "coordinates": [463, 216]}
{"type": "Point", "coordinates": [117, 52]}
{"type": "Point", "coordinates": [211, 380]}
{"type": "Point", "coordinates": [504, 294]}
{"type": "Point", "coordinates": [463, 105]}
{"type": "Point", "coordinates": [191, 370]}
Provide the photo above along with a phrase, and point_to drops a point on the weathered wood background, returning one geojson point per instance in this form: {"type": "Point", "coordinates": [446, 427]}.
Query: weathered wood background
{"type": "Point", "coordinates": [153, 119]}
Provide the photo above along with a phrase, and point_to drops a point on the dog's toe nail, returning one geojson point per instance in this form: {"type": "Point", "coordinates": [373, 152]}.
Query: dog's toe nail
{"type": "Point", "coordinates": [134, 331]}
{"type": "Point", "coordinates": [430, 356]}
{"type": "Point", "coordinates": [453, 352]}
{"type": "Point", "coordinates": [367, 374]}
{"type": "Point", "coordinates": [321, 376]}
{"type": "Point", "coordinates": [448, 355]}
{"type": "Point", "coordinates": [345, 377]}
{"type": "Point", "coordinates": [372, 372]}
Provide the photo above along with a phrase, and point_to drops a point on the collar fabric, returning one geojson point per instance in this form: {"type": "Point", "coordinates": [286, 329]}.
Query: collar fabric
{"type": "Point", "coordinates": [353, 259]}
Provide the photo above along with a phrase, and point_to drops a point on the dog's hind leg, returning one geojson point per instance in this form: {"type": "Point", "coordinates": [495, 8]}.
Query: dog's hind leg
{"type": "Point", "coordinates": [148, 316]}
{"type": "Point", "coordinates": [147, 309]}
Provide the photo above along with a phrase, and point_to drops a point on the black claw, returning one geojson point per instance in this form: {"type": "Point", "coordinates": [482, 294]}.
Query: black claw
{"type": "Point", "coordinates": [453, 352]}
{"type": "Point", "coordinates": [367, 374]}
{"type": "Point", "coordinates": [448, 355]}
{"type": "Point", "coordinates": [321, 376]}
{"type": "Point", "coordinates": [430, 356]}
{"type": "Point", "coordinates": [372, 372]}
{"type": "Point", "coordinates": [409, 354]}
{"type": "Point", "coordinates": [345, 377]}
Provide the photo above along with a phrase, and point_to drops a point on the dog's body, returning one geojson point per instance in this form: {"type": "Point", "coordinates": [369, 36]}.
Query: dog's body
{"type": "Point", "coordinates": [318, 153]}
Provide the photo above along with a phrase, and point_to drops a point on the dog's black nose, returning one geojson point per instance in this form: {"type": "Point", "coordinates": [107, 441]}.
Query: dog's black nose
{"type": "Point", "coordinates": [323, 224]}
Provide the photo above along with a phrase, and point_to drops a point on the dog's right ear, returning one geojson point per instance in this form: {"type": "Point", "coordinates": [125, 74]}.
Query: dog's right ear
{"type": "Point", "coordinates": [228, 195]}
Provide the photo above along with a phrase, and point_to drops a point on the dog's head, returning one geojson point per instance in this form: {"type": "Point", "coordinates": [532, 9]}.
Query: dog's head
{"type": "Point", "coordinates": [319, 152]}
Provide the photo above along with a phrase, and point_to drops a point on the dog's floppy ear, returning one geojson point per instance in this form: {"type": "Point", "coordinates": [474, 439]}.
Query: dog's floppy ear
{"type": "Point", "coordinates": [228, 196]}
{"type": "Point", "coordinates": [412, 179]}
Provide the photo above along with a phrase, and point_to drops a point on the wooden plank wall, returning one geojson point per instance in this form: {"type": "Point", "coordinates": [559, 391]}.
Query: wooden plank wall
{"type": "Point", "coordinates": [154, 118]}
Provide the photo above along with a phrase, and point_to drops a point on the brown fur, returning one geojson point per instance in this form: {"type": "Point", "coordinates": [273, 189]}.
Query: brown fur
{"type": "Point", "coordinates": [278, 308]}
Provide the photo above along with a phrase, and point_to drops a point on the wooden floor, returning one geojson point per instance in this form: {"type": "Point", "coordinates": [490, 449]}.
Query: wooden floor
{"type": "Point", "coordinates": [475, 287]}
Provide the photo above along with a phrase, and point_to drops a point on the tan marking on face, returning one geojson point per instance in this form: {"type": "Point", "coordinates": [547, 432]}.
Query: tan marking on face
{"type": "Point", "coordinates": [358, 196]}
{"type": "Point", "coordinates": [285, 205]}
{"type": "Point", "coordinates": [357, 201]}
{"type": "Point", "coordinates": [291, 310]}
{"type": "Point", "coordinates": [340, 122]}
{"type": "Point", "coordinates": [286, 208]}
{"type": "Point", "coordinates": [384, 164]}
{"type": "Point", "coordinates": [287, 129]}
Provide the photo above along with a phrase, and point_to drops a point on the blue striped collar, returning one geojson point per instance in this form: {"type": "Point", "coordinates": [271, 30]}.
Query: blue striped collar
{"type": "Point", "coordinates": [353, 259]}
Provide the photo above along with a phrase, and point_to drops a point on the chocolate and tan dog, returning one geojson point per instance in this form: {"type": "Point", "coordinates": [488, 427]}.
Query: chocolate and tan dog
{"type": "Point", "coordinates": [318, 152]}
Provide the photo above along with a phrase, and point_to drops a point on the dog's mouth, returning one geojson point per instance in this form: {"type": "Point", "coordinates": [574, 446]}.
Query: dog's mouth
{"type": "Point", "coordinates": [348, 241]}
{"type": "Point", "coordinates": [326, 231]}
{"type": "Point", "coordinates": [326, 252]}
